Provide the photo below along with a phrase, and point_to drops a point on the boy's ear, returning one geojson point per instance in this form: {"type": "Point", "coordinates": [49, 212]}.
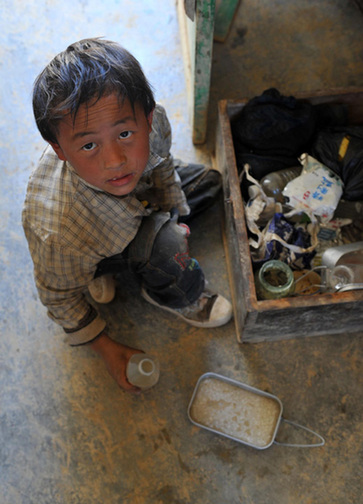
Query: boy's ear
{"type": "Point", "coordinates": [58, 150]}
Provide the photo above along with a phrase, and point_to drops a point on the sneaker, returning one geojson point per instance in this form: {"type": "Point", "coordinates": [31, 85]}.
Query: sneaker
{"type": "Point", "coordinates": [103, 289]}
{"type": "Point", "coordinates": [210, 310]}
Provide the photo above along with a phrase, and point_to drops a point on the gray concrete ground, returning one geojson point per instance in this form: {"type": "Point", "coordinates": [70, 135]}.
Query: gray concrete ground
{"type": "Point", "coordinates": [68, 434]}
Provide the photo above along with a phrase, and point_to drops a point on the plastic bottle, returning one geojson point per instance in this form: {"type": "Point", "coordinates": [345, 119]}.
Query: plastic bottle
{"type": "Point", "coordinates": [274, 183]}
{"type": "Point", "coordinates": [143, 370]}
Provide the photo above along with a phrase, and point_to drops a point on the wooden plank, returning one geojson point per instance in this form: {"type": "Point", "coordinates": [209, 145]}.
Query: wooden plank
{"type": "Point", "coordinates": [204, 18]}
{"type": "Point", "coordinates": [298, 322]}
{"type": "Point", "coordinates": [187, 34]}
{"type": "Point", "coordinates": [225, 11]}
{"type": "Point", "coordinates": [197, 44]}
{"type": "Point", "coordinates": [235, 233]}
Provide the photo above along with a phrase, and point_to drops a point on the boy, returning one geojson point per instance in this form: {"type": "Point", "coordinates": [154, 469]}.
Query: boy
{"type": "Point", "coordinates": [101, 197]}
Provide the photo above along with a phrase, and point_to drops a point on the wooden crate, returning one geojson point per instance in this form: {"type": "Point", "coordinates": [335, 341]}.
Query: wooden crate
{"type": "Point", "coordinates": [292, 317]}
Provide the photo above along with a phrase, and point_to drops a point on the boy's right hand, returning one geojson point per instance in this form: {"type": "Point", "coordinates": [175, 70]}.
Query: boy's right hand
{"type": "Point", "coordinates": [116, 357]}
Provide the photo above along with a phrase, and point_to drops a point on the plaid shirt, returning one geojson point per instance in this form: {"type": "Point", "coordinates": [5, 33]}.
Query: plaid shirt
{"type": "Point", "coordinates": [71, 226]}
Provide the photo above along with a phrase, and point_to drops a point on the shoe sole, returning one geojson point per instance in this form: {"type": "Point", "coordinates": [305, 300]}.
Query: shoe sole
{"type": "Point", "coordinates": [194, 323]}
{"type": "Point", "coordinates": [108, 291]}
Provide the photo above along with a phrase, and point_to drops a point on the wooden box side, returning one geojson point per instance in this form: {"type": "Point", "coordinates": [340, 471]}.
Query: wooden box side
{"type": "Point", "coordinates": [296, 322]}
{"type": "Point", "coordinates": [235, 232]}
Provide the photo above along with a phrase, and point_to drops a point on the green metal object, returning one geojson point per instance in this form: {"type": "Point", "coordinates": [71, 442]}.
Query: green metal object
{"type": "Point", "coordinates": [224, 14]}
{"type": "Point", "coordinates": [201, 72]}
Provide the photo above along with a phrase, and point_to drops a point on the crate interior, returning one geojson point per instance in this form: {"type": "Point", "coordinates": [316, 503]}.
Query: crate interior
{"type": "Point", "coordinates": [354, 101]}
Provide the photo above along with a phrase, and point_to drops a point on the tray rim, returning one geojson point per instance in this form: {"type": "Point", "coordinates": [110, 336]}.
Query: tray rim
{"type": "Point", "coordinates": [242, 385]}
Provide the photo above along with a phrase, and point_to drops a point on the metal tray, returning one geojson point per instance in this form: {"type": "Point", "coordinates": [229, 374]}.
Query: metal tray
{"type": "Point", "coordinates": [239, 412]}
{"type": "Point", "coordinates": [350, 253]}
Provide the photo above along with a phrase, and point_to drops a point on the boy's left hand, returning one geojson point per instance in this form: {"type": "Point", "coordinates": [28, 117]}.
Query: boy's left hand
{"type": "Point", "coordinates": [116, 357]}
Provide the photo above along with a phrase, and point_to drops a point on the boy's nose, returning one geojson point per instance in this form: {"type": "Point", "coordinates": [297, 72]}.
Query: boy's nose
{"type": "Point", "coordinates": [113, 156]}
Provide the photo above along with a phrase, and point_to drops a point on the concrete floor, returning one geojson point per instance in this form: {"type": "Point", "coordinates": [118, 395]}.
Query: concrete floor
{"type": "Point", "coordinates": [68, 434]}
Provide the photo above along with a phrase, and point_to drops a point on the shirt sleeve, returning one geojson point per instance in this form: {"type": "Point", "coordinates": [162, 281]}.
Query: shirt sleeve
{"type": "Point", "coordinates": [166, 181]}
{"type": "Point", "coordinates": [61, 277]}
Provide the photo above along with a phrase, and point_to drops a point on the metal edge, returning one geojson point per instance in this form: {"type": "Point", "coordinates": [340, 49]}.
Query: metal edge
{"type": "Point", "coordinates": [243, 386]}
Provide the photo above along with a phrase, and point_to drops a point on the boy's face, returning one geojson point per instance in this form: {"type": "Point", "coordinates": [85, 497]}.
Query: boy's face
{"type": "Point", "coordinates": [107, 145]}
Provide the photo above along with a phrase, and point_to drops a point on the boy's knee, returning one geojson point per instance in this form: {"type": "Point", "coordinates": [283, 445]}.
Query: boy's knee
{"type": "Point", "coordinates": [171, 239]}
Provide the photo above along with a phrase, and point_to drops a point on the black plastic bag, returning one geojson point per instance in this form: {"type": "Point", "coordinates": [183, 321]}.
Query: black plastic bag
{"type": "Point", "coordinates": [272, 131]}
{"type": "Point", "coordinates": [341, 150]}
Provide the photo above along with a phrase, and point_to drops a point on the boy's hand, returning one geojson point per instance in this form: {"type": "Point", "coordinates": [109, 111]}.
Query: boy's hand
{"type": "Point", "coordinates": [116, 357]}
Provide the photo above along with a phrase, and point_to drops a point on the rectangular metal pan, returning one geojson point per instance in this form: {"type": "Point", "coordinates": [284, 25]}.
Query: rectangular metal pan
{"type": "Point", "coordinates": [235, 410]}
{"type": "Point", "coordinates": [240, 412]}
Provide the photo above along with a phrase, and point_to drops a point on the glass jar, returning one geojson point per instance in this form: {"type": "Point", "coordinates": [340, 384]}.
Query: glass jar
{"type": "Point", "coordinates": [274, 280]}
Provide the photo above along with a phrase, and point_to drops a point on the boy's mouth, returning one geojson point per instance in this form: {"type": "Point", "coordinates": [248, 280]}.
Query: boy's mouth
{"type": "Point", "coordinates": [120, 181]}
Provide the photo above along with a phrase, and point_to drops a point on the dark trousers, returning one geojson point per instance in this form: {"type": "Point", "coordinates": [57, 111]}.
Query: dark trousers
{"type": "Point", "coordinates": [159, 255]}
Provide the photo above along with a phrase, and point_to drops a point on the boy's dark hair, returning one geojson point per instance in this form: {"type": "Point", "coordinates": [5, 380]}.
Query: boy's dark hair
{"type": "Point", "coordinates": [86, 71]}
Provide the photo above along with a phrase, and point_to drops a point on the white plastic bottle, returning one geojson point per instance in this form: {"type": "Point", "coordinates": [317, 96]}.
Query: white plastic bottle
{"type": "Point", "coordinates": [143, 370]}
{"type": "Point", "coordinates": [274, 183]}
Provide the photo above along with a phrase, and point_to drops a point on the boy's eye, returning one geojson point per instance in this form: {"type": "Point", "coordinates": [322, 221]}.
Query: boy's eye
{"type": "Point", "coordinates": [90, 146]}
{"type": "Point", "coordinates": [125, 134]}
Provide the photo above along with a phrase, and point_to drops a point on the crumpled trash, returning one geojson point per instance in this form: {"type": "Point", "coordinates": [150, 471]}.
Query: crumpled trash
{"type": "Point", "coordinates": [284, 241]}
{"type": "Point", "coordinates": [260, 208]}
{"type": "Point", "coordinates": [316, 191]}
{"type": "Point", "coordinates": [279, 238]}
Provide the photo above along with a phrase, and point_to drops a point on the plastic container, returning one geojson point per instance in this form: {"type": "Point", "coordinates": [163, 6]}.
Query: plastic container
{"type": "Point", "coordinates": [274, 280]}
{"type": "Point", "coordinates": [343, 267]}
{"type": "Point", "coordinates": [274, 183]}
{"type": "Point", "coordinates": [143, 370]}
{"type": "Point", "coordinates": [343, 276]}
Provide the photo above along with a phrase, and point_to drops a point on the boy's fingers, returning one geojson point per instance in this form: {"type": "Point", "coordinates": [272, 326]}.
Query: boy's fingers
{"type": "Point", "coordinates": [128, 387]}
{"type": "Point", "coordinates": [131, 388]}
